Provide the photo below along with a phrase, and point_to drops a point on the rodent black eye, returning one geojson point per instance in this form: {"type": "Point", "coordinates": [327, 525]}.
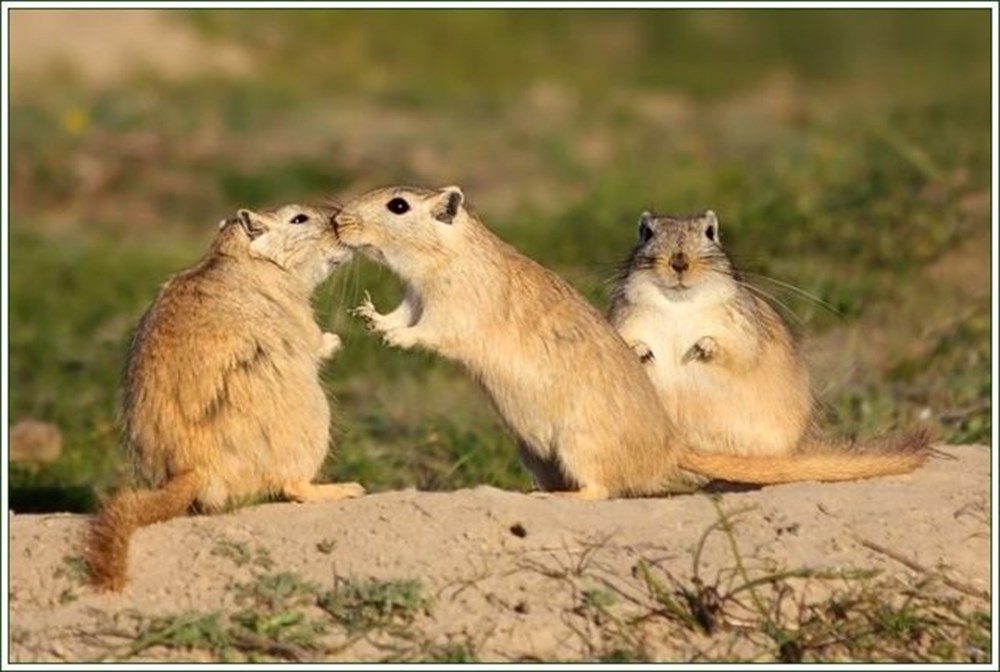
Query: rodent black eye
{"type": "Point", "coordinates": [710, 233]}
{"type": "Point", "coordinates": [300, 219]}
{"type": "Point", "coordinates": [398, 206]}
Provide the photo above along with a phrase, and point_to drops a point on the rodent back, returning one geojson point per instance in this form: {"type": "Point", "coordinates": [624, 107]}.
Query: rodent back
{"type": "Point", "coordinates": [211, 330]}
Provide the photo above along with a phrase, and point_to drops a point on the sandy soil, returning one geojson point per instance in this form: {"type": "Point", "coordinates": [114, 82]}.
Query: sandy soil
{"type": "Point", "coordinates": [509, 574]}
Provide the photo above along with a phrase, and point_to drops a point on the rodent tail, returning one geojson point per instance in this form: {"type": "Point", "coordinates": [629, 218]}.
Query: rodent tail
{"type": "Point", "coordinates": [109, 533]}
{"type": "Point", "coordinates": [896, 454]}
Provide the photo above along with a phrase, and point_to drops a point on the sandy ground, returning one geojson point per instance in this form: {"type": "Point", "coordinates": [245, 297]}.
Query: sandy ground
{"type": "Point", "coordinates": [508, 574]}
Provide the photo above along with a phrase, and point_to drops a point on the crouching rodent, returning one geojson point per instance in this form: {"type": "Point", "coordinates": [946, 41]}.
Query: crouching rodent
{"type": "Point", "coordinates": [726, 367]}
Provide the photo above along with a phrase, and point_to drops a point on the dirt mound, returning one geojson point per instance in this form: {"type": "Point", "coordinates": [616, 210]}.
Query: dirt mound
{"type": "Point", "coordinates": [485, 574]}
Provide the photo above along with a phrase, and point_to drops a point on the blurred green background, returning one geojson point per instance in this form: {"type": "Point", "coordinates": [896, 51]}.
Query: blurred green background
{"type": "Point", "coordinates": [846, 152]}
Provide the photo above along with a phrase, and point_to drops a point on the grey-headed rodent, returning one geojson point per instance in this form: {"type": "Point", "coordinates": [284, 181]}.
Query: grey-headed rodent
{"type": "Point", "coordinates": [727, 369]}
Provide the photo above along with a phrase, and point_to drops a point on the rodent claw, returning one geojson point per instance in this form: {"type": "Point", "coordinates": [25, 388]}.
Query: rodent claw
{"type": "Point", "coordinates": [366, 311]}
{"type": "Point", "coordinates": [704, 350]}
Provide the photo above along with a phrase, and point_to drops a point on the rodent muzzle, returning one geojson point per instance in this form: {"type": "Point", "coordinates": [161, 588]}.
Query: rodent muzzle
{"type": "Point", "coordinates": [343, 221]}
{"type": "Point", "coordinates": [679, 262]}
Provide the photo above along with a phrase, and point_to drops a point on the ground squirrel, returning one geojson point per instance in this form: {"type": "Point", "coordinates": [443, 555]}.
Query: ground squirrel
{"type": "Point", "coordinates": [728, 371]}
{"type": "Point", "coordinates": [586, 417]}
{"type": "Point", "coordinates": [222, 396]}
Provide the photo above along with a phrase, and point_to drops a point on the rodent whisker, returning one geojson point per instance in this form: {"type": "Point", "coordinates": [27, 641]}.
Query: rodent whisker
{"type": "Point", "coordinates": [770, 297]}
{"type": "Point", "coordinates": [616, 272]}
{"type": "Point", "coordinates": [797, 290]}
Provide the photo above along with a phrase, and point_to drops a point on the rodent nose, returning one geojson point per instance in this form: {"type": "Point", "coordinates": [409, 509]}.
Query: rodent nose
{"type": "Point", "coordinates": [344, 219]}
{"type": "Point", "coordinates": [679, 262]}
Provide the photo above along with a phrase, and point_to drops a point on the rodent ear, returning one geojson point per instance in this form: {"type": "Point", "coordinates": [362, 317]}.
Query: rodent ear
{"type": "Point", "coordinates": [647, 224]}
{"type": "Point", "coordinates": [711, 225]}
{"type": "Point", "coordinates": [251, 223]}
{"type": "Point", "coordinates": [451, 200]}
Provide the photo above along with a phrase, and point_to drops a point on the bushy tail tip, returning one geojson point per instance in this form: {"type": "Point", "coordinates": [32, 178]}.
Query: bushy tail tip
{"type": "Point", "coordinates": [108, 535]}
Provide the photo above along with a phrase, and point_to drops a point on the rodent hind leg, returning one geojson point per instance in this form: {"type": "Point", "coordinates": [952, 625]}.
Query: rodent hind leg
{"type": "Point", "coordinates": [546, 473]}
{"type": "Point", "coordinates": [303, 491]}
{"type": "Point", "coordinates": [563, 480]}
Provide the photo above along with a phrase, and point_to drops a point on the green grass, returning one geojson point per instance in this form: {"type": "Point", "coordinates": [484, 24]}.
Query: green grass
{"type": "Point", "coordinates": [846, 152]}
{"type": "Point", "coordinates": [240, 554]}
{"type": "Point", "coordinates": [284, 617]}
{"type": "Point", "coordinates": [274, 591]}
{"type": "Point", "coordinates": [733, 606]}
{"type": "Point", "coordinates": [775, 614]}
{"type": "Point", "coordinates": [367, 605]}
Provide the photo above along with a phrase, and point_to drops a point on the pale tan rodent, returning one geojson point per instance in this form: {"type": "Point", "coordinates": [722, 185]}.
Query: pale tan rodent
{"type": "Point", "coordinates": [223, 400]}
{"type": "Point", "coordinates": [728, 371]}
{"type": "Point", "coordinates": [585, 415]}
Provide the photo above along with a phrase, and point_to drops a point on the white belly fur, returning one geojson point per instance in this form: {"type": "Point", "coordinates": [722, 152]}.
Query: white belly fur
{"type": "Point", "coordinates": [715, 409]}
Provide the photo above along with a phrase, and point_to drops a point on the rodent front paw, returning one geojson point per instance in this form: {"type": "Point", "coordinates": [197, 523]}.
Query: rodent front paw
{"type": "Point", "coordinates": [330, 344]}
{"type": "Point", "coordinates": [402, 338]}
{"type": "Point", "coordinates": [705, 349]}
{"type": "Point", "coordinates": [366, 311]}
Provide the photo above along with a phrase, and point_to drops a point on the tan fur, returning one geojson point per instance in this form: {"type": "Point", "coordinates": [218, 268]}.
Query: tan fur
{"type": "Point", "coordinates": [584, 414]}
{"type": "Point", "coordinates": [587, 418]}
{"type": "Point", "coordinates": [900, 455]}
{"type": "Point", "coordinates": [125, 512]}
{"type": "Point", "coordinates": [726, 368]}
{"type": "Point", "coordinates": [223, 399]}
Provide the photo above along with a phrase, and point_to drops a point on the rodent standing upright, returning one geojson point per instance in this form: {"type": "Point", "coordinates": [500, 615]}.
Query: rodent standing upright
{"type": "Point", "coordinates": [728, 371]}
{"type": "Point", "coordinates": [585, 415]}
{"type": "Point", "coordinates": [222, 396]}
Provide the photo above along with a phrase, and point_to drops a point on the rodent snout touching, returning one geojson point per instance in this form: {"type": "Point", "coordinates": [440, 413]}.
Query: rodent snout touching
{"type": "Point", "coordinates": [679, 262]}
{"type": "Point", "coordinates": [342, 221]}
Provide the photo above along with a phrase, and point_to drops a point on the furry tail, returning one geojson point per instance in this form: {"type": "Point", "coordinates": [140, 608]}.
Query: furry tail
{"type": "Point", "coordinates": [897, 454]}
{"type": "Point", "coordinates": [109, 533]}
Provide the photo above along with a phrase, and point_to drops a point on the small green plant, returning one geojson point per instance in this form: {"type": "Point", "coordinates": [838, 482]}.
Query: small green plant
{"type": "Point", "coordinates": [74, 568]}
{"type": "Point", "coordinates": [247, 635]}
{"type": "Point", "coordinates": [365, 605]}
{"type": "Point", "coordinates": [239, 552]}
{"type": "Point", "coordinates": [184, 631]}
{"type": "Point", "coordinates": [451, 652]}
{"type": "Point", "coordinates": [276, 591]}
{"type": "Point", "coordinates": [862, 617]}
{"type": "Point", "coordinates": [289, 632]}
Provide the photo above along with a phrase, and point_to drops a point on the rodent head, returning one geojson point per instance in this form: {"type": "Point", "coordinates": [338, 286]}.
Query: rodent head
{"type": "Point", "coordinates": [680, 252]}
{"type": "Point", "coordinates": [405, 227]}
{"type": "Point", "coordinates": [298, 238]}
